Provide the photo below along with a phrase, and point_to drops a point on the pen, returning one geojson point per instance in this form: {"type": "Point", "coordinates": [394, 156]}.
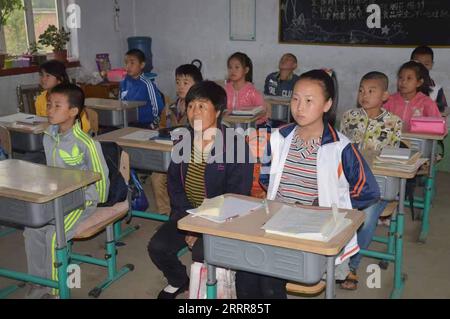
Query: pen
{"type": "Point", "coordinates": [232, 217]}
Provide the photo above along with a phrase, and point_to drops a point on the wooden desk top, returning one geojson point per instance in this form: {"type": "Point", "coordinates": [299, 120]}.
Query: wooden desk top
{"type": "Point", "coordinates": [116, 136]}
{"type": "Point", "coordinates": [111, 105]}
{"type": "Point", "coordinates": [40, 183]}
{"type": "Point", "coordinates": [369, 156]}
{"type": "Point", "coordinates": [12, 123]}
{"type": "Point", "coordinates": [424, 136]}
{"type": "Point", "coordinates": [248, 228]}
{"type": "Point", "coordinates": [235, 119]}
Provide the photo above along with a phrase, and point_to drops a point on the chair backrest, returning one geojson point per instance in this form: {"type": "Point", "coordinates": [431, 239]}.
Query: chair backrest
{"type": "Point", "coordinates": [5, 140]}
{"type": "Point", "coordinates": [125, 166]}
{"type": "Point", "coordinates": [26, 97]}
{"type": "Point", "coordinates": [93, 120]}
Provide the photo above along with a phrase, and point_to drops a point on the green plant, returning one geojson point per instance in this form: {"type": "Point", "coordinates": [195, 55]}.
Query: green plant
{"type": "Point", "coordinates": [55, 38]}
{"type": "Point", "coordinates": [7, 7]}
{"type": "Point", "coordinates": [34, 48]}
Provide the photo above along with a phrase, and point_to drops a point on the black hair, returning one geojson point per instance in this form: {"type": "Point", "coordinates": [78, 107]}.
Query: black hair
{"type": "Point", "coordinates": [55, 68]}
{"type": "Point", "coordinates": [211, 91]}
{"type": "Point", "coordinates": [74, 94]}
{"type": "Point", "coordinates": [245, 61]}
{"type": "Point", "coordinates": [189, 70]}
{"type": "Point", "coordinates": [328, 88]}
{"type": "Point", "coordinates": [379, 76]}
{"type": "Point", "coordinates": [422, 50]}
{"type": "Point", "coordinates": [138, 54]}
{"type": "Point", "coordinates": [290, 55]}
{"type": "Point", "coordinates": [421, 73]}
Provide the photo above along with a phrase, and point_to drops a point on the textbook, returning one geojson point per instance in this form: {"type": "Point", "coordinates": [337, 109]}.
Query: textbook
{"type": "Point", "coordinates": [307, 223]}
{"type": "Point", "coordinates": [222, 208]}
{"type": "Point", "coordinates": [248, 111]}
{"type": "Point", "coordinates": [396, 153]}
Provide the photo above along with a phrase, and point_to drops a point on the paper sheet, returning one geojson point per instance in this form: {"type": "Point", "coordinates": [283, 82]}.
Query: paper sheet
{"type": "Point", "coordinates": [140, 135]}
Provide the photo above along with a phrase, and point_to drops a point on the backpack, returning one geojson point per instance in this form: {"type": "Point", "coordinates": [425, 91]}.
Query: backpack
{"type": "Point", "coordinates": [138, 199]}
{"type": "Point", "coordinates": [118, 189]}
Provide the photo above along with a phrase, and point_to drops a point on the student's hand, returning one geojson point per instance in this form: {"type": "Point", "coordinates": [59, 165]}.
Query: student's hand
{"type": "Point", "coordinates": [190, 240]}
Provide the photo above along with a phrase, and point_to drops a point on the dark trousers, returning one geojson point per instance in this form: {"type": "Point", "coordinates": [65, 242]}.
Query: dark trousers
{"type": "Point", "coordinates": [254, 286]}
{"type": "Point", "coordinates": [163, 248]}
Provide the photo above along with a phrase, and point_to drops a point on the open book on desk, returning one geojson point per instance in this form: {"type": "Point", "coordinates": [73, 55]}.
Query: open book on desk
{"type": "Point", "coordinates": [222, 208]}
{"type": "Point", "coordinates": [247, 111]}
{"type": "Point", "coordinates": [303, 223]}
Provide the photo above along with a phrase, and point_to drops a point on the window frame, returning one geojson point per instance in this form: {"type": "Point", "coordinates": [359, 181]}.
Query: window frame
{"type": "Point", "coordinates": [30, 32]}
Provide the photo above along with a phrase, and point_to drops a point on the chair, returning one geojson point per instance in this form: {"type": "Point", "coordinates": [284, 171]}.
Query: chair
{"type": "Point", "coordinates": [26, 97]}
{"type": "Point", "coordinates": [305, 289]}
{"type": "Point", "coordinates": [93, 120]}
{"type": "Point", "coordinates": [5, 140]}
{"type": "Point", "coordinates": [105, 218]}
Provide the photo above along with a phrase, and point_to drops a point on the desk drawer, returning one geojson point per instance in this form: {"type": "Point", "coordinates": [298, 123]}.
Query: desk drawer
{"type": "Point", "coordinates": [26, 142]}
{"type": "Point", "coordinates": [280, 112]}
{"type": "Point", "coordinates": [37, 215]}
{"type": "Point", "coordinates": [148, 159]}
{"type": "Point", "coordinates": [389, 187]}
{"type": "Point", "coordinates": [115, 118]}
{"type": "Point", "coordinates": [263, 259]}
{"type": "Point", "coordinates": [423, 146]}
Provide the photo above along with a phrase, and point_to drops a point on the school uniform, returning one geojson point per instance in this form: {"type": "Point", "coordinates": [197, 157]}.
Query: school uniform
{"type": "Point", "coordinates": [73, 149]}
{"type": "Point", "coordinates": [143, 89]}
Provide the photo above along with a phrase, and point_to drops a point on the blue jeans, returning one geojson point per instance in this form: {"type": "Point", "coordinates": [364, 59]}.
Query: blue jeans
{"type": "Point", "coordinates": [366, 231]}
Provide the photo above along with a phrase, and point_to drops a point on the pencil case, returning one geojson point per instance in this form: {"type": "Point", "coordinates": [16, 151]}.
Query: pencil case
{"type": "Point", "coordinates": [429, 125]}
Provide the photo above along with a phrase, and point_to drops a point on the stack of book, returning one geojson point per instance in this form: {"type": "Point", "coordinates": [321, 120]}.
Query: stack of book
{"type": "Point", "coordinates": [400, 159]}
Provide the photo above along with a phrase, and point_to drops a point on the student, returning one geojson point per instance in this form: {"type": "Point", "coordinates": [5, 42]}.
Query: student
{"type": "Point", "coordinates": [282, 82]}
{"type": "Point", "coordinates": [309, 162]}
{"type": "Point", "coordinates": [66, 146]}
{"type": "Point", "coordinates": [241, 93]}
{"type": "Point", "coordinates": [370, 127]}
{"type": "Point", "coordinates": [52, 73]}
{"type": "Point", "coordinates": [136, 87]}
{"type": "Point", "coordinates": [425, 55]}
{"type": "Point", "coordinates": [186, 76]}
{"type": "Point", "coordinates": [191, 181]}
{"type": "Point", "coordinates": [412, 98]}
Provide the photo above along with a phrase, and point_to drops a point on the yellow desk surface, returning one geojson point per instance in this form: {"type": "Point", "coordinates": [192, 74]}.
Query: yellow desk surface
{"type": "Point", "coordinates": [40, 183]}
{"type": "Point", "coordinates": [248, 228]}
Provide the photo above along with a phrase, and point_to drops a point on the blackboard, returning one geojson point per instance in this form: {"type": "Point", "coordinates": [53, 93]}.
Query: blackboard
{"type": "Point", "coordinates": [351, 22]}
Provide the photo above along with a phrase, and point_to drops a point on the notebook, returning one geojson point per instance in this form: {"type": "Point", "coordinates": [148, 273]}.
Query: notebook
{"type": "Point", "coordinates": [302, 223]}
{"type": "Point", "coordinates": [396, 153]}
{"type": "Point", "coordinates": [248, 112]}
{"type": "Point", "coordinates": [222, 208]}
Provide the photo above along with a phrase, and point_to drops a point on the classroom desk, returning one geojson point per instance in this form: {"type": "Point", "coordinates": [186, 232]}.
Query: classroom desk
{"type": "Point", "coordinates": [242, 244]}
{"type": "Point", "coordinates": [396, 229]}
{"type": "Point", "coordinates": [114, 112]}
{"type": "Point", "coordinates": [147, 155]}
{"type": "Point", "coordinates": [280, 108]}
{"type": "Point", "coordinates": [24, 138]}
{"type": "Point", "coordinates": [425, 203]}
{"type": "Point", "coordinates": [42, 195]}
{"type": "Point", "coordinates": [242, 121]}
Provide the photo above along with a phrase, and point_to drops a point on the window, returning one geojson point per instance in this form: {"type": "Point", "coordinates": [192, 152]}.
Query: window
{"type": "Point", "coordinates": [25, 26]}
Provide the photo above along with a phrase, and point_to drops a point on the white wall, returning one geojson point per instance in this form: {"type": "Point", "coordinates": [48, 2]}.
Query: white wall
{"type": "Point", "coordinates": [186, 29]}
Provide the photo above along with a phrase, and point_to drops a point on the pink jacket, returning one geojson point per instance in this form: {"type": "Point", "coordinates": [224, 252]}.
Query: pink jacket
{"type": "Point", "coordinates": [248, 96]}
{"type": "Point", "coordinates": [420, 105]}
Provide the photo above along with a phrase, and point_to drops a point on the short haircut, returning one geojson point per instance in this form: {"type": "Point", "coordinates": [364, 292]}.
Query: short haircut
{"type": "Point", "coordinates": [290, 55]}
{"type": "Point", "coordinates": [422, 50]}
{"type": "Point", "coordinates": [74, 94]}
{"type": "Point", "coordinates": [245, 62]}
{"type": "Point", "coordinates": [55, 68]}
{"type": "Point", "coordinates": [138, 54]}
{"type": "Point", "coordinates": [189, 70]}
{"type": "Point", "coordinates": [211, 91]}
{"type": "Point", "coordinates": [379, 76]}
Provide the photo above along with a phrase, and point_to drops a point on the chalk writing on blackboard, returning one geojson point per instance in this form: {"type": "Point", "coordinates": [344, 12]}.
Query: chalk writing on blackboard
{"type": "Point", "coordinates": [371, 22]}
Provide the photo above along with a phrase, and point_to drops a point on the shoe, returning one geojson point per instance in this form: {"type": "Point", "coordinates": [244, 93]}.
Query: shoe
{"type": "Point", "coordinates": [36, 291]}
{"type": "Point", "coordinates": [172, 295]}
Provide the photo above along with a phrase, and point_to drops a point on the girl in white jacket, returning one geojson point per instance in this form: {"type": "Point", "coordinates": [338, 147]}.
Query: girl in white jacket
{"type": "Point", "coordinates": [310, 163]}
